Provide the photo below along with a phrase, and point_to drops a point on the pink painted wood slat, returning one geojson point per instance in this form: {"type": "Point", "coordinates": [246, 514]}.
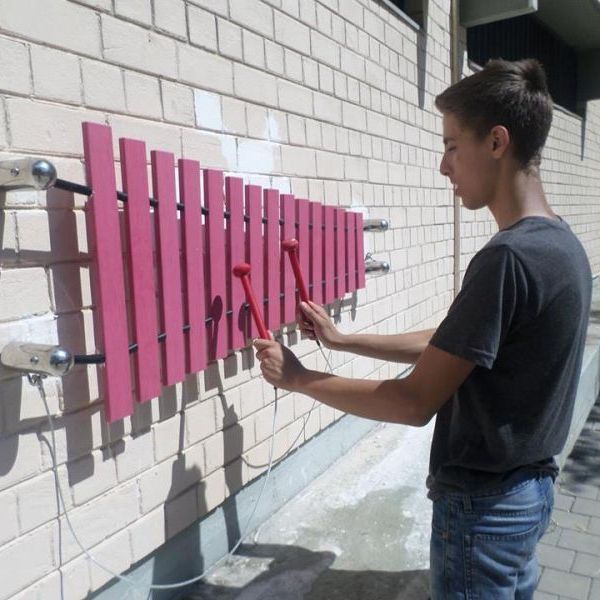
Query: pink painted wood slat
{"type": "Point", "coordinates": [340, 253]}
{"type": "Point", "coordinates": [351, 250]}
{"type": "Point", "coordinates": [169, 267]}
{"type": "Point", "coordinates": [272, 260]}
{"type": "Point", "coordinates": [329, 254]}
{"type": "Point", "coordinates": [316, 253]}
{"type": "Point", "coordinates": [193, 254]}
{"type": "Point", "coordinates": [110, 317]}
{"type": "Point", "coordinates": [255, 249]}
{"type": "Point", "coordinates": [288, 281]}
{"type": "Point", "coordinates": [360, 252]}
{"type": "Point", "coordinates": [303, 236]}
{"type": "Point", "coordinates": [236, 252]}
{"type": "Point", "coordinates": [215, 264]}
{"type": "Point", "coordinates": [141, 269]}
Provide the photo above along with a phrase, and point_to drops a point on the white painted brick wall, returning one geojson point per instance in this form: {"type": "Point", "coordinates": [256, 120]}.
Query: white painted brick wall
{"type": "Point", "coordinates": [314, 97]}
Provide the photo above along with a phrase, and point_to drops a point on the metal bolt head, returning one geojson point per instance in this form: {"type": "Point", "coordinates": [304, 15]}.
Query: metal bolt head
{"type": "Point", "coordinates": [34, 360]}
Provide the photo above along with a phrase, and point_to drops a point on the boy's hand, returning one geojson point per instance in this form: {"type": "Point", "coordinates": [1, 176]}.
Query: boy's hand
{"type": "Point", "coordinates": [315, 323]}
{"type": "Point", "coordinates": [278, 364]}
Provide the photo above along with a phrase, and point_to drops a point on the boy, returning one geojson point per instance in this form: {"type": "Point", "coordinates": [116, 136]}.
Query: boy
{"type": "Point", "coordinates": [501, 370]}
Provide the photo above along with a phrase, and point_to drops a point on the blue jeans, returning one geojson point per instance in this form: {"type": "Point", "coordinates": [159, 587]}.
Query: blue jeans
{"type": "Point", "coordinates": [483, 546]}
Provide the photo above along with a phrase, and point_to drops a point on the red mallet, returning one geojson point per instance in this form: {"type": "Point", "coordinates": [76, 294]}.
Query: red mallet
{"type": "Point", "coordinates": [291, 247]}
{"type": "Point", "coordinates": [243, 272]}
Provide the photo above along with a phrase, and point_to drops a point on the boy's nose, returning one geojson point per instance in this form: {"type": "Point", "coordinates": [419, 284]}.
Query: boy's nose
{"type": "Point", "coordinates": [444, 167]}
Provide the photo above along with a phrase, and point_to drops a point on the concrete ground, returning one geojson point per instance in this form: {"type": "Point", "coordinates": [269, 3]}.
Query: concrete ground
{"type": "Point", "coordinates": [361, 530]}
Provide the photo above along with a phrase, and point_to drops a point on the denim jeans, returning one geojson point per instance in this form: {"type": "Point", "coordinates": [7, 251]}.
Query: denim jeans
{"type": "Point", "coordinates": [483, 546]}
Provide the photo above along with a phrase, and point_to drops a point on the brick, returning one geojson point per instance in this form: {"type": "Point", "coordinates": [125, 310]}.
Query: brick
{"type": "Point", "coordinates": [178, 103]}
{"type": "Point", "coordinates": [115, 554]}
{"type": "Point", "coordinates": [15, 75]}
{"type": "Point", "coordinates": [143, 95]}
{"type": "Point", "coordinates": [298, 161]}
{"type": "Point", "coordinates": [147, 534]}
{"type": "Point", "coordinates": [377, 171]}
{"type": "Point", "coordinates": [207, 107]}
{"type": "Point", "coordinates": [105, 5]}
{"type": "Point", "coordinates": [169, 15]}
{"type": "Point", "coordinates": [293, 65]}
{"type": "Point", "coordinates": [255, 85]}
{"type": "Point", "coordinates": [230, 39]}
{"type": "Point", "coordinates": [278, 130]}
{"type": "Point", "coordinates": [134, 455]}
{"type": "Point", "coordinates": [297, 130]}
{"type": "Point", "coordinates": [330, 165]}
{"type": "Point", "coordinates": [325, 79]}
{"type": "Point", "coordinates": [168, 438]}
{"type": "Point", "coordinates": [254, 49]}
{"type": "Point", "coordinates": [586, 564]}
{"type": "Point", "coordinates": [205, 70]}
{"type": "Point", "coordinates": [136, 10]}
{"type": "Point", "coordinates": [98, 520]}
{"type": "Point", "coordinates": [582, 542]}
{"type": "Point", "coordinates": [103, 86]}
{"type": "Point", "coordinates": [585, 506]}
{"type": "Point", "coordinates": [58, 17]}
{"type": "Point", "coordinates": [328, 108]}
{"type": "Point", "coordinates": [63, 83]}
{"type": "Point", "coordinates": [211, 492]}
{"type": "Point", "coordinates": [9, 523]}
{"type": "Point", "coordinates": [24, 292]}
{"type": "Point", "coordinates": [308, 13]}
{"type": "Point", "coordinates": [216, 6]}
{"type": "Point", "coordinates": [274, 57]}
{"type": "Point", "coordinates": [556, 558]}
{"type": "Point", "coordinates": [157, 136]}
{"type": "Point", "coordinates": [203, 28]}
{"type": "Point", "coordinates": [354, 116]}
{"type": "Point", "coordinates": [310, 70]}
{"type": "Point", "coordinates": [563, 501]}
{"type": "Point", "coordinates": [92, 476]}
{"type": "Point", "coordinates": [25, 560]}
{"type": "Point", "coordinates": [313, 134]}
{"type": "Point", "coordinates": [234, 116]}
{"type": "Point", "coordinates": [570, 520]}
{"type": "Point", "coordinates": [290, 32]}
{"type": "Point", "coordinates": [134, 46]}
{"type": "Point", "coordinates": [289, 6]}
{"type": "Point", "coordinates": [565, 584]}
{"type": "Point", "coordinates": [356, 168]}
{"type": "Point", "coordinates": [255, 15]}
{"type": "Point", "coordinates": [295, 98]}
{"type": "Point", "coordinates": [181, 512]}
{"type": "Point", "coordinates": [214, 452]}
{"type": "Point", "coordinates": [324, 49]}
{"type": "Point", "coordinates": [200, 422]}
{"type": "Point", "coordinates": [212, 150]}
{"type": "Point", "coordinates": [3, 141]}
{"type": "Point", "coordinates": [40, 127]}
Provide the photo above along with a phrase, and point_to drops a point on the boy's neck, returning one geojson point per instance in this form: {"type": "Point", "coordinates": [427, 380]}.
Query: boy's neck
{"type": "Point", "coordinates": [519, 194]}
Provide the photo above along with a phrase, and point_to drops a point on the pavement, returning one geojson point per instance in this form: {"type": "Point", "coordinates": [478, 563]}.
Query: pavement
{"type": "Point", "coordinates": [361, 530]}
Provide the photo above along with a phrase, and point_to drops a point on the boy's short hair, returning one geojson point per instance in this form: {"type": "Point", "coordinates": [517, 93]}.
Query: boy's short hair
{"type": "Point", "coordinates": [512, 94]}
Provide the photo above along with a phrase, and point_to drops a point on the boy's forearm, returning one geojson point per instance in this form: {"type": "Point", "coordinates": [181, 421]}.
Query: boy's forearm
{"type": "Point", "coordinates": [401, 347]}
{"type": "Point", "coordinates": [392, 400]}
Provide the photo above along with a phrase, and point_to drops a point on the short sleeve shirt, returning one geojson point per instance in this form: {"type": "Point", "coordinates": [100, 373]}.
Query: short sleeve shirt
{"type": "Point", "coordinates": [521, 316]}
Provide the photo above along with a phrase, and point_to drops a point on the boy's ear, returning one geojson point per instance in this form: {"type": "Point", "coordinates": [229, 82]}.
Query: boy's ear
{"type": "Point", "coordinates": [500, 139]}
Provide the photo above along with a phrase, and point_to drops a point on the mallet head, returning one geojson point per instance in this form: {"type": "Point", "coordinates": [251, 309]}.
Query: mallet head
{"type": "Point", "coordinates": [290, 245]}
{"type": "Point", "coordinates": [241, 269]}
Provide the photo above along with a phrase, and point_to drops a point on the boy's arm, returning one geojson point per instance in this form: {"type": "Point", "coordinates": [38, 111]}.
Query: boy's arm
{"type": "Point", "coordinates": [401, 347]}
{"type": "Point", "coordinates": [413, 400]}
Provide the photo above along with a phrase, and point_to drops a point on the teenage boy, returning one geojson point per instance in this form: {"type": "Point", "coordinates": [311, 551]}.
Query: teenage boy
{"type": "Point", "coordinates": [501, 370]}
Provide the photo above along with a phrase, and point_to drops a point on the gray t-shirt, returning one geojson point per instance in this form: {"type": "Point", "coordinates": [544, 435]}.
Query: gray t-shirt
{"type": "Point", "coordinates": [521, 316]}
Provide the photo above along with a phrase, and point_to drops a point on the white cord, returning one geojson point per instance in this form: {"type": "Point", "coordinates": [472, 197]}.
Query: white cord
{"type": "Point", "coordinates": [37, 380]}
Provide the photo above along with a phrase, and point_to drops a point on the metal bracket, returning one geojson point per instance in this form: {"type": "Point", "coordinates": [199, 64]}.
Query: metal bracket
{"type": "Point", "coordinates": [37, 358]}
{"type": "Point", "coordinates": [376, 225]}
{"type": "Point", "coordinates": [19, 173]}
{"type": "Point", "coordinates": [372, 265]}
